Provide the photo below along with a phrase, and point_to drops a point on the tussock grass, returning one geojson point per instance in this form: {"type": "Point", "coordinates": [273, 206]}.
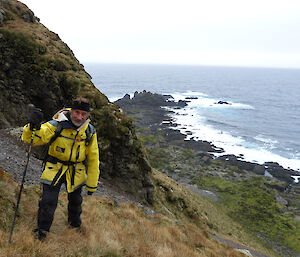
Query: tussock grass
{"type": "Point", "coordinates": [108, 230]}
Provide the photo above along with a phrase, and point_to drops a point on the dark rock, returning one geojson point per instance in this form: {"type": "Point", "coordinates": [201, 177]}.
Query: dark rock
{"type": "Point", "coordinates": [279, 172]}
{"type": "Point", "coordinates": [259, 169]}
{"type": "Point", "coordinates": [243, 165]}
{"type": "Point", "coordinates": [126, 97]}
{"type": "Point", "coordinates": [168, 97]}
{"type": "Point", "coordinates": [3, 121]}
{"type": "Point", "coordinates": [191, 97]}
{"type": "Point", "coordinates": [274, 169]}
{"type": "Point", "coordinates": [182, 103]}
{"type": "Point", "coordinates": [223, 102]}
{"type": "Point", "coordinates": [123, 101]}
{"type": "Point", "coordinates": [279, 188]}
{"type": "Point", "coordinates": [29, 17]}
{"type": "Point", "coordinates": [149, 99]}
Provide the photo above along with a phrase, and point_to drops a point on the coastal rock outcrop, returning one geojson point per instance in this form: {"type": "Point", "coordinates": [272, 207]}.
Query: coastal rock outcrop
{"type": "Point", "coordinates": [158, 122]}
{"type": "Point", "coordinates": [274, 169]}
{"type": "Point", "coordinates": [146, 109]}
{"type": "Point", "coordinates": [149, 99]}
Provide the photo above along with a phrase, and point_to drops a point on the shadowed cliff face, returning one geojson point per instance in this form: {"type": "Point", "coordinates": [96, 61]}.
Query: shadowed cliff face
{"type": "Point", "coordinates": [37, 69]}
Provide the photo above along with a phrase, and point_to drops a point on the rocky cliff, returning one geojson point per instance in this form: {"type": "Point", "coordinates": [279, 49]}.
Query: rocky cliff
{"type": "Point", "coordinates": [37, 69]}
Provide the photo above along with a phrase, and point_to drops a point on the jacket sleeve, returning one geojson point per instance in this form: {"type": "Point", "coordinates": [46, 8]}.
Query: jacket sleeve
{"type": "Point", "coordinates": [93, 165]}
{"type": "Point", "coordinates": [42, 136]}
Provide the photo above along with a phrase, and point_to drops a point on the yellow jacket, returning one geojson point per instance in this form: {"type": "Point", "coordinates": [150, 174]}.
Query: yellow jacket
{"type": "Point", "coordinates": [70, 154]}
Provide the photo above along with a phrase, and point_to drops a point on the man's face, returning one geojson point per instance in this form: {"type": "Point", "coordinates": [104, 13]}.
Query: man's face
{"type": "Point", "coordinates": [78, 117]}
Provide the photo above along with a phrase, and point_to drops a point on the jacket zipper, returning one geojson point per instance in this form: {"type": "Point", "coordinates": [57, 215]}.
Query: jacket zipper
{"type": "Point", "coordinates": [73, 166]}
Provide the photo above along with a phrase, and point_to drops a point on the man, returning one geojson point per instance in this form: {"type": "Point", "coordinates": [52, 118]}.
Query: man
{"type": "Point", "coordinates": [72, 159]}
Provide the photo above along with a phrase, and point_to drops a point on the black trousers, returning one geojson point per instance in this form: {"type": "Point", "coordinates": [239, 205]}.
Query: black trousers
{"type": "Point", "coordinates": [48, 204]}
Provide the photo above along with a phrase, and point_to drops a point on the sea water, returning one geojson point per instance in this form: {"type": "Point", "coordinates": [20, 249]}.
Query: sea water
{"type": "Point", "coordinates": [259, 120]}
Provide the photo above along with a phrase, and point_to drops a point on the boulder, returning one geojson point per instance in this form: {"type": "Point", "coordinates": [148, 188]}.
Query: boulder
{"type": "Point", "coordinates": [29, 17]}
{"type": "Point", "coordinates": [245, 252]}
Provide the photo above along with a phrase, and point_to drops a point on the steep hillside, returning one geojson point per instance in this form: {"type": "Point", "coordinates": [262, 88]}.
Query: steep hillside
{"type": "Point", "coordinates": [111, 229]}
{"type": "Point", "coordinates": [37, 69]}
{"type": "Point", "coordinates": [172, 201]}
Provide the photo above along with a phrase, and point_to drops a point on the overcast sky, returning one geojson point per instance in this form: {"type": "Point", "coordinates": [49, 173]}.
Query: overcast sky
{"type": "Point", "coordinates": [263, 33]}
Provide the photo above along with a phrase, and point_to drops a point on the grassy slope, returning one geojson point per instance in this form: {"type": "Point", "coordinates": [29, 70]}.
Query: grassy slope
{"type": "Point", "coordinates": [118, 230]}
{"type": "Point", "coordinates": [183, 204]}
{"type": "Point", "coordinates": [249, 199]}
{"type": "Point", "coordinates": [254, 205]}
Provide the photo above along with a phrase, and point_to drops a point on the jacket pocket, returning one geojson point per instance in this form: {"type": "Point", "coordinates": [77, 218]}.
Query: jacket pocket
{"type": "Point", "coordinates": [50, 171]}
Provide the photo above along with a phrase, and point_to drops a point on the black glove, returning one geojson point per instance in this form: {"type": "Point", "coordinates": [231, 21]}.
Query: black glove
{"type": "Point", "coordinates": [90, 193]}
{"type": "Point", "coordinates": [35, 119]}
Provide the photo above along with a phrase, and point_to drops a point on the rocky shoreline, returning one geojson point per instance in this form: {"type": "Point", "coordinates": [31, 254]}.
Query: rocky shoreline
{"type": "Point", "coordinates": [148, 110]}
{"type": "Point", "coordinates": [188, 160]}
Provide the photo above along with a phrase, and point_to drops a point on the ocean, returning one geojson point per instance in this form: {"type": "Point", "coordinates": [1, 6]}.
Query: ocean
{"type": "Point", "coordinates": [259, 121]}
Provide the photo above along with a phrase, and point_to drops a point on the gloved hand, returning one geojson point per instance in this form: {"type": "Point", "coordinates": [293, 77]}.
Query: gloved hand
{"type": "Point", "coordinates": [35, 119]}
{"type": "Point", "coordinates": [90, 193]}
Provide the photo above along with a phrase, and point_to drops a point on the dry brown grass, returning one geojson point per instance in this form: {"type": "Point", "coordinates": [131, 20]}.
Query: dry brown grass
{"type": "Point", "coordinates": [107, 230]}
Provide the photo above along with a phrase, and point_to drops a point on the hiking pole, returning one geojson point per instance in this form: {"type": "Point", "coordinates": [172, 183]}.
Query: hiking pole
{"type": "Point", "coordinates": [21, 188]}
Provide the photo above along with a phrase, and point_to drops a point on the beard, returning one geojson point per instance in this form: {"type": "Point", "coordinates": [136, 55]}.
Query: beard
{"type": "Point", "coordinates": [76, 122]}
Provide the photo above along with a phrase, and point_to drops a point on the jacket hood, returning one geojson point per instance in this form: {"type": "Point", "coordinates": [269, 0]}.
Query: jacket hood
{"type": "Point", "coordinates": [61, 115]}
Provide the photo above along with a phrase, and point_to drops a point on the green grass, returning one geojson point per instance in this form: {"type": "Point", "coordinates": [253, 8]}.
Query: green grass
{"type": "Point", "coordinates": [23, 45]}
{"type": "Point", "coordinates": [254, 205]}
{"type": "Point", "coordinates": [249, 199]}
{"type": "Point", "coordinates": [158, 157]}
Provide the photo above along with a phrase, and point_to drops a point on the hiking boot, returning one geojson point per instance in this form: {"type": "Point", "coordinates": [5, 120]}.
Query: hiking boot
{"type": "Point", "coordinates": [77, 229]}
{"type": "Point", "coordinates": [40, 234]}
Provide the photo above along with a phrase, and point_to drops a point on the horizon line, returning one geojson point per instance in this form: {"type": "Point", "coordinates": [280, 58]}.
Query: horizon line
{"type": "Point", "coordinates": [185, 64]}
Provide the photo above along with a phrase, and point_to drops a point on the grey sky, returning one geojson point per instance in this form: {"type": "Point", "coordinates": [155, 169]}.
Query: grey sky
{"type": "Point", "coordinates": [215, 32]}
